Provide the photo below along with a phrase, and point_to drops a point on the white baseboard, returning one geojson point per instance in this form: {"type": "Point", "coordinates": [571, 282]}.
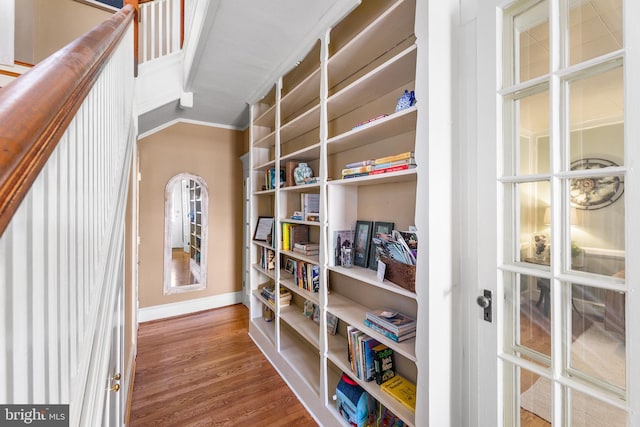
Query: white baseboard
{"type": "Point", "coordinates": [173, 309]}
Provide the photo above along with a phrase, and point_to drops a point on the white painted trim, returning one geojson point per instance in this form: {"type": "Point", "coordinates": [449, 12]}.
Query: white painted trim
{"type": "Point", "coordinates": [190, 121]}
{"type": "Point", "coordinates": [147, 314]}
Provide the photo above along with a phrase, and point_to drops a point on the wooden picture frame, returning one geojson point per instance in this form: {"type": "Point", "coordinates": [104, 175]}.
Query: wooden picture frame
{"type": "Point", "coordinates": [379, 227]}
{"type": "Point", "coordinates": [264, 227]}
{"type": "Point", "coordinates": [288, 266]}
{"type": "Point", "coordinates": [362, 242]}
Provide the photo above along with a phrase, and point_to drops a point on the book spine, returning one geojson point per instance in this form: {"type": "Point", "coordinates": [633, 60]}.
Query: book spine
{"type": "Point", "coordinates": [355, 175]}
{"type": "Point", "coordinates": [360, 169]}
{"type": "Point", "coordinates": [410, 161]}
{"type": "Point", "coordinates": [392, 169]}
{"type": "Point", "coordinates": [285, 237]}
{"type": "Point", "coordinates": [380, 330]}
{"type": "Point", "coordinates": [401, 156]}
{"type": "Point", "coordinates": [359, 164]}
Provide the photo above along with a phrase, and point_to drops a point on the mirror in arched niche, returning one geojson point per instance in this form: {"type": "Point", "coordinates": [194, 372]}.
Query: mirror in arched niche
{"type": "Point", "coordinates": [185, 234]}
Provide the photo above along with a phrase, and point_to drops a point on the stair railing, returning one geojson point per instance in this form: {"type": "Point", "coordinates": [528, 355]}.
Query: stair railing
{"type": "Point", "coordinates": [161, 28]}
{"type": "Point", "coordinates": [67, 129]}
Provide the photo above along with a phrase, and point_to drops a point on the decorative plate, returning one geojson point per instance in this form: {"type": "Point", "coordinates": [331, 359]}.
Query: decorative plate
{"type": "Point", "coordinates": [594, 192]}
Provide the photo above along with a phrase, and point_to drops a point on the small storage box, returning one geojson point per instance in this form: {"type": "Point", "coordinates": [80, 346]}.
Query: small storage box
{"type": "Point", "coordinates": [401, 274]}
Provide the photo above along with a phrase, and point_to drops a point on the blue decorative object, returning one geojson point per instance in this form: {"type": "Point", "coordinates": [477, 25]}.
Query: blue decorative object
{"type": "Point", "coordinates": [407, 100]}
{"type": "Point", "coordinates": [352, 402]}
{"type": "Point", "coordinates": [301, 173]}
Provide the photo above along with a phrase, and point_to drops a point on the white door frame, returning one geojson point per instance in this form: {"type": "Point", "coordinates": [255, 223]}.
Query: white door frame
{"type": "Point", "coordinates": [479, 219]}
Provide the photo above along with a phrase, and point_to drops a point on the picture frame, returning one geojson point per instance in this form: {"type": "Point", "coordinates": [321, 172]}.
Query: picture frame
{"type": "Point", "coordinates": [288, 266]}
{"type": "Point", "coordinates": [362, 242]}
{"type": "Point", "coordinates": [264, 227]}
{"type": "Point", "coordinates": [379, 227]}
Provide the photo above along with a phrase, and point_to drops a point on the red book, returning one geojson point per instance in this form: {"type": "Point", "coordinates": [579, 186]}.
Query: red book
{"type": "Point", "coordinates": [392, 169]}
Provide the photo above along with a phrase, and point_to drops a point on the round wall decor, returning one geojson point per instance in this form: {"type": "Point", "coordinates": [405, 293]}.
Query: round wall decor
{"type": "Point", "coordinates": [594, 192]}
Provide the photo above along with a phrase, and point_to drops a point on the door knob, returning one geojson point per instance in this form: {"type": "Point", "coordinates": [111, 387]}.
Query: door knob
{"type": "Point", "coordinates": [115, 387]}
{"type": "Point", "coordinates": [484, 301]}
{"type": "Point", "coordinates": [116, 377]}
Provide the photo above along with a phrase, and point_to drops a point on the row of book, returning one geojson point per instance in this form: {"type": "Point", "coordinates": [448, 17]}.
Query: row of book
{"type": "Point", "coordinates": [268, 292]}
{"type": "Point", "coordinates": [394, 163]}
{"type": "Point", "coordinates": [292, 234]}
{"type": "Point", "coordinates": [370, 360]}
{"type": "Point", "coordinates": [270, 179]}
{"type": "Point", "coordinates": [305, 275]}
{"type": "Point", "coordinates": [268, 259]}
{"type": "Point", "coordinates": [392, 324]}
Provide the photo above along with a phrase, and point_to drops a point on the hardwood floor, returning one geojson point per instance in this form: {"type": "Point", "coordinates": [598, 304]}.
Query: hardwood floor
{"type": "Point", "coordinates": [180, 271]}
{"type": "Point", "coordinates": [204, 370]}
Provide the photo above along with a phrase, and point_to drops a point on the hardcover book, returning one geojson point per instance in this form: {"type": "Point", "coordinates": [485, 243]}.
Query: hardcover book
{"type": "Point", "coordinates": [383, 365]}
{"type": "Point", "coordinates": [393, 158]}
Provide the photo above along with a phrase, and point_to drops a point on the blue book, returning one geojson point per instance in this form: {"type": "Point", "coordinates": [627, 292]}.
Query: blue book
{"type": "Point", "coordinates": [368, 344]}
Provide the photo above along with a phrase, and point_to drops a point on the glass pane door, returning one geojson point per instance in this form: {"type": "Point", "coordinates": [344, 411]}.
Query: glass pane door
{"type": "Point", "coordinates": [564, 354]}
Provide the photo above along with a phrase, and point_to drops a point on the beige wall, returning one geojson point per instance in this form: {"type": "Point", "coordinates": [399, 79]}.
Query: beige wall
{"type": "Point", "coordinates": [213, 154]}
{"type": "Point", "coordinates": [45, 26]}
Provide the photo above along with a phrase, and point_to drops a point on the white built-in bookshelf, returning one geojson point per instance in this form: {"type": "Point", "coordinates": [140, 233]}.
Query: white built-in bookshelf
{"type": "Point", "coordinates": [354, 72]}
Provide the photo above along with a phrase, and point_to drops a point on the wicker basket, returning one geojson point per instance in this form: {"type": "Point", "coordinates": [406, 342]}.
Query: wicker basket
{"type": "Point", "coordinates": [401, 274]}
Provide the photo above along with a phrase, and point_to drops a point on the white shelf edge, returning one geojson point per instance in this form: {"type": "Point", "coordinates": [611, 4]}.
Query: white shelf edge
{"type": "Point", "coordinates": [383, 178]}
{"type": "Point", "coordinates": [344, 91]}
{"type": "Point", "coordinates": [299, 221]}
{"type": "Point", "coordinates": [301, 188]}
{"type": "Point", "coordinates": [286, 280]}
{"type": "Point", "coordinates": [260, 142]}
{"type": "Point", "coordinates": [303, 83]}
{"type": "Point", "coordinates": [372, 125]}
{"type": "Point", "coordinates": [370, 277]}
{"type": "Point", "coordinates": [302, 151]}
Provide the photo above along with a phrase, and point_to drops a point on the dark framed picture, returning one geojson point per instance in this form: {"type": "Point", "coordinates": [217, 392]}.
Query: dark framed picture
{"type": "Point", "coordinates": [288, 267]}
{"type": "Point", "coordinates": [362, 240]}
{"type": "Point", "coordinates": [264, 228]}
{"type": "Point", "coordinates": [379, 227]}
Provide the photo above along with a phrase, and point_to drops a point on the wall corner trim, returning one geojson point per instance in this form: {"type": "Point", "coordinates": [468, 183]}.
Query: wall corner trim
{"type": "Point", "coordinates": [147, 314]}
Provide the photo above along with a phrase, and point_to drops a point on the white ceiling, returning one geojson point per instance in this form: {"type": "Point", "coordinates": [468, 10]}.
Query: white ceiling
{"type": "Point", "coordinates": [247, 46]}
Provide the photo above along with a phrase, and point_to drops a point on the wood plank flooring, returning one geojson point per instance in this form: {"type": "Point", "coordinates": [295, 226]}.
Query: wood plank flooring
{"type": "Point", "coordinates": [204, 370]}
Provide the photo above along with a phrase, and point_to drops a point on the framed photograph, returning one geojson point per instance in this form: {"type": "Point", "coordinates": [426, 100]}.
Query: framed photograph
{"type": "Point", "coordinates": [288, 267]}
{"type": "Point", "coordinates": [362, 241]}
{"type": "Point", "coordinates": [263, 228]}
{"type": "Point", "coordinates": [379, 227]}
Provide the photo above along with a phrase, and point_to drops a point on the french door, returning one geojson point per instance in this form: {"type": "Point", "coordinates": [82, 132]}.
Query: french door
{"type": "Point", "coordinates": [558, 143]}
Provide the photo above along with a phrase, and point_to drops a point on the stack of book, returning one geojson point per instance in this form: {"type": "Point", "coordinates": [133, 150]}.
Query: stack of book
{"type": "Point", "coordinates": [269, 293]}
{"type": "Point", "coordinates": [391, 324]}
{"type": "Point", "coordinates": [306, 248]}
{"type": "Point", "coordinates": [394, 163]}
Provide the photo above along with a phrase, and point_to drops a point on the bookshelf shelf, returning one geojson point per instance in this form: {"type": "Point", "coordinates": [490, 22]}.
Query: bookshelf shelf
{"type": "Point", "coordinates": [305, 122]}
{"type": "Point", "coordinates": [387, 127]}
{"type": "Point", "coordinates": [305, 327]}
{"type": "Point", "coordinates": [267, 141]}
{"type": "Point", "coordinates": [304, 154]}
{"type": "Point", "coordinates": [368, 276]}
{"type": "Point", "coordinates": [264, 166]}
{"type": "Point", "coordinates": [354, 314]}
{"type": "Point", "coordinates": [286, 279]}
{"type": "Point", "coordinates": [383, 178]}
{"type": "Point", "coordinates": [355, 72]}
{"type": "Point", "coordinates": [310, 259]}
{"type": "Point", "coordinates": [337, 351]}
{"type": "Point", "coordinates": [301, 357]}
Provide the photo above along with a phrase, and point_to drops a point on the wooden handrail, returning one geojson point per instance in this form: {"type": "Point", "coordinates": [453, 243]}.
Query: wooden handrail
{"type": "Point", "coordinates": [36, 109]}
{"type": "Point", "coordinates": [136, 6]}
